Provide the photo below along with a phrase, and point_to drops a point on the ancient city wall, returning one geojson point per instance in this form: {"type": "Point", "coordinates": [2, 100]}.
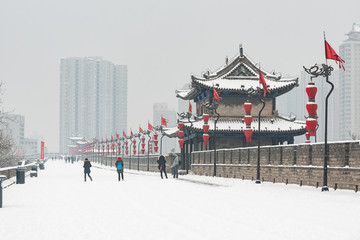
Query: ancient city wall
{"type": "Point", "coordinates": [292, 164]}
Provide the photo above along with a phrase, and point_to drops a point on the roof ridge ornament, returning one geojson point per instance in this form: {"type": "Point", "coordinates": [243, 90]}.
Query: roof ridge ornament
{"type": "Point", "coordinates": [241, 50]}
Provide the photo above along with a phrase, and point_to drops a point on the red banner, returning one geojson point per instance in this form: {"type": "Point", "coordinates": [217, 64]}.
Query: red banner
{"type": "Point", "coordinates": [42, 150]}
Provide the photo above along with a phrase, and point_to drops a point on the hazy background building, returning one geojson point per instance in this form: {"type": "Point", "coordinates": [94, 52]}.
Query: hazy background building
{"type": "Point", "coordinates": [350, 85]}
{"type": "Point", "coordinates": [93, 99]}
{"type": "Point", "coordinates": [162, 110]}
{"type": "Point", "coordinates": [14, 125]}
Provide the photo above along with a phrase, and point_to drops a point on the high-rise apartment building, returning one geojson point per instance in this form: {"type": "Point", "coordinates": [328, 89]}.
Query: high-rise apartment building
{"type": "Point", "coordinates": [93, 99]}
{"type": "Point", "coordinates": [162, 110]}
{"type": "Point", "coordinates": [350, 85]}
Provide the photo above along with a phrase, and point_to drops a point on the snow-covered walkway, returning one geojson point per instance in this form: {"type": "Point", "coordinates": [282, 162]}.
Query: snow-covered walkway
{"type": "Point", "coordinates": [60, 205]}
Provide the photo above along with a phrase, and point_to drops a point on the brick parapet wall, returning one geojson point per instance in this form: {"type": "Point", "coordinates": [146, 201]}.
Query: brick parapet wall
{"type": "Point", "coordinates": [294, 164]}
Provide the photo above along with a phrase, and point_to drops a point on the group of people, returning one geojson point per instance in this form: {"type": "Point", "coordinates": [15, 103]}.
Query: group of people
{"type": "Point", "coordinates": [119, 164]}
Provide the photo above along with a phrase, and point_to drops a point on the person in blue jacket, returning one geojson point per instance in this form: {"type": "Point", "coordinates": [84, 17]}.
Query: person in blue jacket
{"type": "Point", "coordinates": [87, 166]}
{"type": "Point", "coordinates": [119, 164]}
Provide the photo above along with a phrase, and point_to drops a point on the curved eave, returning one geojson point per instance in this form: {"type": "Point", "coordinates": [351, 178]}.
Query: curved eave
{"type": "Point", "coordinates": [278, 126]}
{"type": "Point", "coordinates": [247, 85]}
{"type": "Point", "coordinates": [188, 94]}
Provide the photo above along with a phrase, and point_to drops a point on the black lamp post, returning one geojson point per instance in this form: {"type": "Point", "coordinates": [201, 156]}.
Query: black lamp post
{"type": "Point", "coordinates": [147, 132]}
{"type": "Point", "coordinates": [259, 138]}
{"type": "Point", "coordinates": [211, 107]}
{"type": "Point", "coordinates": [325, 71]}
{"type": "Point", "coordinates": [139, 137]}
{"type": "Point", "coordinates": [131, 143]}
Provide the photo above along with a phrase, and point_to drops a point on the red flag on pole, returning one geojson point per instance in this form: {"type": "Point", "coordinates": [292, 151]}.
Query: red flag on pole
{"type": "Point", "coordinates": [331, 54]}
{"type": "Point", "coordinates": [190, 107]}
{"type": "Point", "coordinates": [140, 130]}
{"type": "Point", "coordinates": [216, 95]}
{"type": "Point", "coordinates": [262, 81]}
{"type": "Point", "coordinates": [149, 126]}
{"type": "Point", "coordinates": [124, 134]}
{"type": "Point", "coordinates": [163, 121]}
{"type": "Point", "coordinates": [42, 150]}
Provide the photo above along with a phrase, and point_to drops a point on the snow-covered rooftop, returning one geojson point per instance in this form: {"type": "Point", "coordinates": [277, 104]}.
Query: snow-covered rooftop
{"type": "Point", "coordinates": [267, 125]}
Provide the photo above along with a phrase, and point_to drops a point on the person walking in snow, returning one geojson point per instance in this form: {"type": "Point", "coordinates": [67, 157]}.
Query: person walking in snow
{"type": "Point", "coordinates": [119, 164]}
{"type": "Point", "coordinates": [175, 165]}
{"type": "Point", "coordinates": [162, 165]}
{"type": "Point", "coordinates": [87, 166]}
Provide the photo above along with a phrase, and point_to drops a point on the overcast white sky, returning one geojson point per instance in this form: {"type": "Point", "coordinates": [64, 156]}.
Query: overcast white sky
{"type": "Point", "coordinates": [163, 42]}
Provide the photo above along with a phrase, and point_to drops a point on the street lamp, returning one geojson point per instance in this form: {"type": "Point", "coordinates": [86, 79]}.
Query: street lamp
{"type": "Point", "coordinates": [211, 108]}
{"type": "Point", "coordinates": [147, 132]}
{"type": "Point", "coordinates": [259, 138]}
{"type": "Point", "coordinates": [325, 71]}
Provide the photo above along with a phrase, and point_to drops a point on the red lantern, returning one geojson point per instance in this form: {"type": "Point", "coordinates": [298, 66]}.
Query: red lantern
{"type": "Point", "coordinates": [206, 117]}
{"type": "Point", "coordinates": [248, 133]}
{"type": "Point", "coordinates": [134, 141]}
{"type": "Point", "coordinates": [156, 148]}
{"type": "Point", "coordinates": [134, 151]}
{"type": "Point", "coordinates": [134, 146]}
{"type": "Point", "coordinates": [143, 151]}
{"type": "Point", "coordinates": [180, 125]}
{"type": "Point", "coordinates": [206, 137]}
{"type": "Point", "coordinates": [127, 152]}
{"type": "Point", "coordinates": [248, 119]}
{"type": "Point", "coordinates": [126, 143]}
{"type": "Point", "coordinates": [307, 138]}
{"type": "Point", "coordinates": [311, 124]}
{"type": "Point", "coordinates": [206, 127]}
{"type": "Point", "coordinates": [156, 142]}
{"type": "Point", "coordinates": [181, 143]}
{"type": "Point", "coordinates": [181, 134]}
{"type": "Point", "coordinates": [155, 136]}
{"type": "Point", "coordinates": [143, 139]}
{"type": "Point", "coordinates": [143, 145]}
{"type": "Point", "coordinates": [206, 143]}
{"type": "Point", "coordinates": [311, 107]}
{"type": "Point", "coordinates": [126, 147]}
{"type": "Point", "coordinates": [311, 90]}
{"type": "Point", "coordinates": [247, 106]}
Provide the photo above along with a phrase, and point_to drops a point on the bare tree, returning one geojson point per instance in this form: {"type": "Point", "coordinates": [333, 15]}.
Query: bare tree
{"type": "Point", "coordinates": [7, 152]}
{"type": "Point", "coordinates": [354, 136]}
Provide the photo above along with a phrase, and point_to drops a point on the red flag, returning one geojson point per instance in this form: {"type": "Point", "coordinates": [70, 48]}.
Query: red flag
{"type": "Point", "coordinates": [216, 95]}
{"type": "Point", "coordinates": [262, 81]}
{"type": "Point", "coordinates": [140, 130]}
{"type": "Point", "coordinates": [42, 150]}
{"type": "Point", "coordinates": [124, 134]}
{"type": "Point", "coordinates": [149, 126]}
{"type": "Point", "coordinates": [190, 107]}
{"type": "Point", "coordinates": [331, 54]}
{"type": "Point", "coordinates": [163, 121]}
{"type": "Point", "coordinates": [131, 133]}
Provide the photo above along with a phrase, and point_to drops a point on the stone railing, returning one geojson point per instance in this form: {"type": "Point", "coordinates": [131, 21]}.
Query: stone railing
{"type": "Point", "coordinates": [291, 164]}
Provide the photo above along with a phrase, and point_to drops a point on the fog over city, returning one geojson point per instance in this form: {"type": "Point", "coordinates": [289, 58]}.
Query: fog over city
{"type": "Point", "coordinates": [162, 43]}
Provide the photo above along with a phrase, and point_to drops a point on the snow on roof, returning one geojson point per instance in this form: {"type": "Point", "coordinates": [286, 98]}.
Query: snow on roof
{"type": "Point", "coordinates": [267, 125]}
{"type": "Point", "coordinates": [243, 83]}
{"type": "Point", "coordinates": [171, 132]}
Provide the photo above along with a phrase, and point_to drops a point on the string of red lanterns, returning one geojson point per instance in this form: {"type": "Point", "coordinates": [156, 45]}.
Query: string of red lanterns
{"type": "Point", "coordinates": [311, 107]}
{"type": "Point", "coordinates": [181, 134]}
{"type": "Point", "coordinates": [206, 127]}
{"type": "Point", "coordinates": [248, 119]}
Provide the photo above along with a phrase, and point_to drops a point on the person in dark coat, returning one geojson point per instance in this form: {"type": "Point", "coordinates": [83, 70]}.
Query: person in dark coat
{"type": "Point", "coordinates": [87, 166]}
{"type": "Point", "coordinates": [162, 165]}
{"type": "Point", "coordinates": [119, 164]}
